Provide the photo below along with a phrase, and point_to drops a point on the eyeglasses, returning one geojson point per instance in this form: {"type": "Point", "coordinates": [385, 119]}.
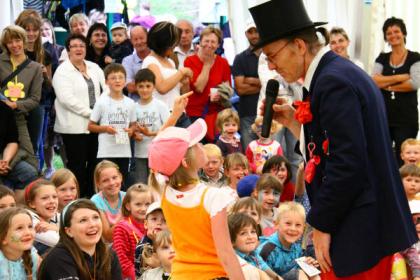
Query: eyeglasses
{"type": "Point", "coordinates": [270, 58]}
{"type": "Point", "coordinates": [116, 78]}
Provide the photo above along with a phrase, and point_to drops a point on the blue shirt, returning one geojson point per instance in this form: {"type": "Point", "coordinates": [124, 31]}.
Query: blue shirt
{"type": "Point", "coordinates": [281, 260]}
{"type": "Point", "coordinates": [246, 64]}
{"type": "Point", "coordinates": [132, 64]}
{"type": "Point", "coordinates": [254, 259]}
{"type": "Point", "coordinates": [15, 269]}
{"type": "Point", "coordinates": [113, 214]}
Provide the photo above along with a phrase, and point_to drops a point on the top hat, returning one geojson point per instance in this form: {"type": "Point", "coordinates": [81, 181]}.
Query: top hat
{"type": "Point", "coordinates": [278, 19]}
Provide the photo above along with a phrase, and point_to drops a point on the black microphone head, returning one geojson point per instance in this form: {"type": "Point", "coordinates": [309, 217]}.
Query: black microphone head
{"type": "Point", "coordinates": [272, 88]}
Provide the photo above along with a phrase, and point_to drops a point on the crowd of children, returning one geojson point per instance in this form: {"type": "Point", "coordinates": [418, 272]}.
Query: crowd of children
{"type": "Point", "coordinates": [195, 211]}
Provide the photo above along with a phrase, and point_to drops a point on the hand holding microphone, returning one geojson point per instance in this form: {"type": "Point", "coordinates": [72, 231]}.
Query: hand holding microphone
{"type": "Point", "coordinates": [278, 108]}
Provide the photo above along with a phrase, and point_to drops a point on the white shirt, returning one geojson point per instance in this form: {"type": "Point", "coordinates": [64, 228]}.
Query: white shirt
{"type": "Point", "coordinates": [49, 237]}
{"type": "Point", "coordinates": [307, 83]}
{"type": "Point", "coordinates": [72, 102]}
{"type": "Point", "coordinates": [183, 55]}
{"type": "Point", "coordinates": [152, 116]}
{"type": "Point", "coordinates": [169, 97]}
{"type": "Point", "coordinates": [118, 114]}
{"type": "Point", "coordinates": [215, 200]}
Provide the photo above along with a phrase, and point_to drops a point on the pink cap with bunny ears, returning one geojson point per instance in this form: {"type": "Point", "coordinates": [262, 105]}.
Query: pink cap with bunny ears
{"type": "Point", "coordinates": [169, 147]}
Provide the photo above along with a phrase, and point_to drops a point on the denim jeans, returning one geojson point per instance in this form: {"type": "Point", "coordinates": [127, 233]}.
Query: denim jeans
{"type": "Point", "coordinates": [20, 176]}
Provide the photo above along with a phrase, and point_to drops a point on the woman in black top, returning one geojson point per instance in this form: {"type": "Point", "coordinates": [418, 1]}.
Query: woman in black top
{"type": "Point", "coordinates": [81, 252]}
{"type": "Point", "coordinates": [397, 74]}
{"type": "Point", "coordinates": [98, 45]}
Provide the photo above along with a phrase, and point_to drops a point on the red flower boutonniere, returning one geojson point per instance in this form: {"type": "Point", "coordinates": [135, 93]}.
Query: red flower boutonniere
{"type": "Point", "coordinates": [303, 112]}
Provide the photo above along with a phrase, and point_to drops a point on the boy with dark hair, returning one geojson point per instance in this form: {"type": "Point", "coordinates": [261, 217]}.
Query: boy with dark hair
{"type": "Point", "coordinates": [151, 114]}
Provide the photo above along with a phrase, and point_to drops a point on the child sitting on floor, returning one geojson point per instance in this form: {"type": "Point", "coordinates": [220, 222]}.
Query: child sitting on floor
{"type": "Point", "coordinates": [165, 253]}
{"type": "Point", "coordinates": [281, 249]}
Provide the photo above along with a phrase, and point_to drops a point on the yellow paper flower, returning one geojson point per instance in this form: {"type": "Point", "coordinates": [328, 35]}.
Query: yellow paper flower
{"type": "Point", "coordinates": [14, 91]}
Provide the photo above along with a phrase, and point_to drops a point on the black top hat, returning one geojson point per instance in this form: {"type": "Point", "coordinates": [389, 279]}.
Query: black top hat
{"type": "Point", "coordinates": [277, 19]}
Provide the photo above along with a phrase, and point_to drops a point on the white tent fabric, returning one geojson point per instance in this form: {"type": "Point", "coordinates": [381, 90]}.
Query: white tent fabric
{"type": "Point", "coordinates": [10, 10]}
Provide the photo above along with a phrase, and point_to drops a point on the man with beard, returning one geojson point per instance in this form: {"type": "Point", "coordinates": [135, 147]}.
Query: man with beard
{"type": "Point", "coordinates": [247, 84]}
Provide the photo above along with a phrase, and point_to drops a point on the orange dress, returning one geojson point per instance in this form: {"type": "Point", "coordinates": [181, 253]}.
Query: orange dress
{"type": "Point", "coordinates": [195, 253]}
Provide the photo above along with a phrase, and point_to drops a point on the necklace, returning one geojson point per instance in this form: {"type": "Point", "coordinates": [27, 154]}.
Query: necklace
{"type": "Point", "coordinates": [94, 268]}
{"type": "Point", "coordinates": [396, 60]}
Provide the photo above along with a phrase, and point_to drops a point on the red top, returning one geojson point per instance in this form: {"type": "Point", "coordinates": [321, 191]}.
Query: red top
{"type": "Point", "coordinates": [219, 73]}
{"type": "Point", "coordinates": [127, 233]}
{"type": "Point", "coordinates": [288, 193]}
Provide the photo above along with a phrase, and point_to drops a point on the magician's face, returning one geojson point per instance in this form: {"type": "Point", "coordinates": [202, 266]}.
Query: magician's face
{"type": "Point", "coordinates": [287, 58]}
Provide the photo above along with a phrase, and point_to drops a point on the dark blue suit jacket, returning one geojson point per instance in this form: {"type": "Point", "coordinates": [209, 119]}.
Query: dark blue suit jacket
{"type": "Point", "coordinates": [356, 195]}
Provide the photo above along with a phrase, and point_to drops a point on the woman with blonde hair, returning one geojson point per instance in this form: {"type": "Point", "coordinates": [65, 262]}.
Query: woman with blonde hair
{"type": "Point", "coordinates": [22, 92]}
{"type": "Point", "coordinates": [339, 42]}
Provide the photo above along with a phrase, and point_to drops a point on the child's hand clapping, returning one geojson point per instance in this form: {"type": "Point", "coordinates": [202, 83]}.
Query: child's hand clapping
{"type": "Point", "coordinates": [44, 227]}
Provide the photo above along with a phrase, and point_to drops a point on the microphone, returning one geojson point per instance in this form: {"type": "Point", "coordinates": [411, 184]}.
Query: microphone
{"type": "Point", "coordinates": [271, 92]}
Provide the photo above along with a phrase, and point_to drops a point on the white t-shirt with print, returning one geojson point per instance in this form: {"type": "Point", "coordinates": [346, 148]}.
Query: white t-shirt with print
{"type": "Point", "coordinates": [152, 116]}
{"type": "Point", "coordinates": [118, 114]}
{"type": "Point", "coordinates": [169, 97]}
